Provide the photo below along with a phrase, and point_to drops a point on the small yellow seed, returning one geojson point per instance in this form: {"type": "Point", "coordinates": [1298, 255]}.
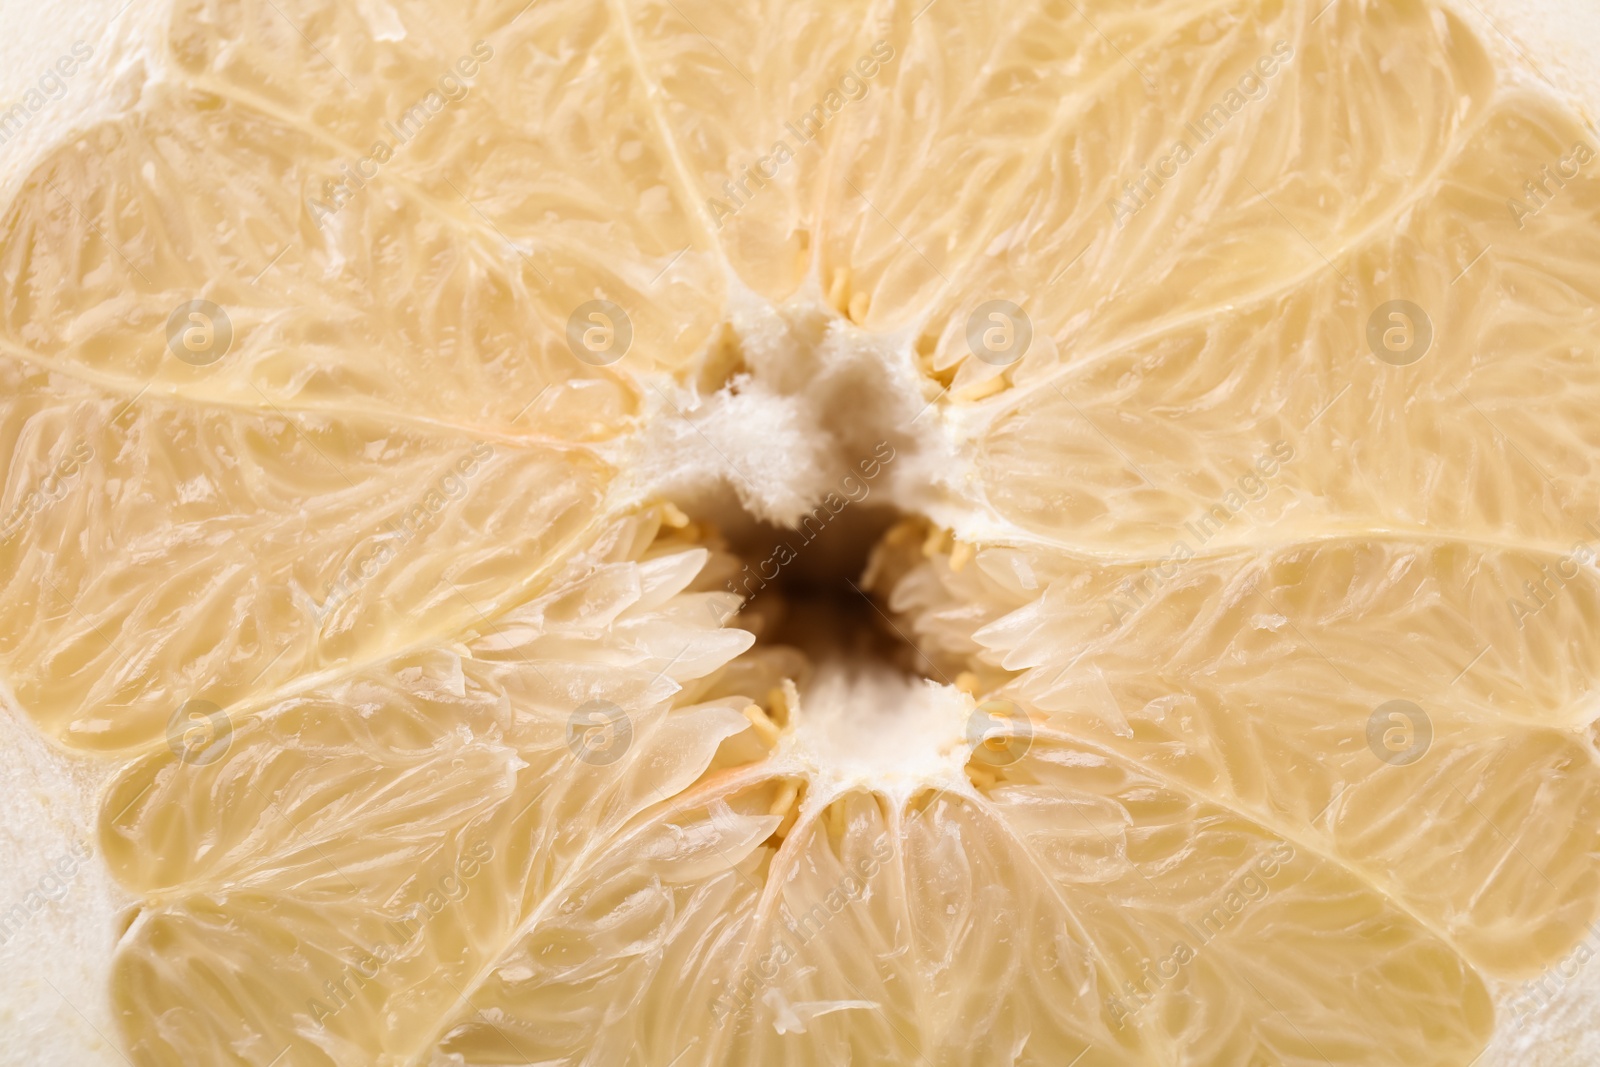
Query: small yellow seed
{"type": "Point", "coordinates": [967, 682]}
{"type": "Point", "coordinates": [839, 288]}
{"type": "Point", "coordinates": [763, 726]}
{"type": "Point", "coordinates": [833, 818]}
{"type": "Point", "coordinates": [783, 828]}
{"type": "Point", "coordinates": [937, 541]}
{"type": "Point", "coordinates": [784, 801]}
{"type": "Point", "coordinates": [960, 555]}
{"type": "Point", "coordinates": [858, 307]}
{"type": "Point", "coordinates": [673, 517]}
{"type": "Point", "coordinates": [791, 700]}
{"type": "Point", "coordinates": [973, 394]}
{"type": "Point", "coordinates": [779, 705]}
{"type": "Point", "coordinates": [902, 533]}
{"type": "Point", "coordinates": [783, 804]}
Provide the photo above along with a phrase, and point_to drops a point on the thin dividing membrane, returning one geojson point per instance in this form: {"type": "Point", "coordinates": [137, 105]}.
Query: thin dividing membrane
{"type": "Point", "coordinates": [217, 554]}
{"type": "Point", "coordinates": [1258, 681]}
{"type": "Point", "coordinates": [418, 814]}
{"type": "Point", "coordinates": [1125, 923]}
{"type": "Point", "coordinates": [1267, 417]}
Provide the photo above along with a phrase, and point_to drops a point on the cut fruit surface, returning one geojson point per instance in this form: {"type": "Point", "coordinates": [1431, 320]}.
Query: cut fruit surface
{"type": "Point", "coordinates": [699, 534]}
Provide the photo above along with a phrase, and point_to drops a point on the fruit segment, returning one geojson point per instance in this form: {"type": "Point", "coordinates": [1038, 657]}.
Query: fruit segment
{"type": "Point", "coordinates": [195, 553]}
{"type": "Point", "coordinates": [1346, 694]}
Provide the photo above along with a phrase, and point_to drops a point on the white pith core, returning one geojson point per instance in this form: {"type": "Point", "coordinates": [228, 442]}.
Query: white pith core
{"type": "Point", "coordinates": [795, 412]}
{"type": "Point", "coordinates": [797, 399]}
{"type": "Point", "coordinates": [862, 725]}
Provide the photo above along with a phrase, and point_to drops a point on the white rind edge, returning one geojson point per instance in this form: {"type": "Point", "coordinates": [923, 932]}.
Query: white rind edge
{"type": "Point", "coordinates": [54, 1009]}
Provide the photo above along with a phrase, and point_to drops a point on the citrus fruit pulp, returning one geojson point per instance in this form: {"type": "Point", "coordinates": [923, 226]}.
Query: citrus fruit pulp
{"type": "Point", "coordinates": [1261, 566]}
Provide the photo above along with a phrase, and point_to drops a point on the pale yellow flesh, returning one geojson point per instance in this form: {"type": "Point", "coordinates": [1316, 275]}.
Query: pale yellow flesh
{"type": "Point", "coordinates": [1199, 861]}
